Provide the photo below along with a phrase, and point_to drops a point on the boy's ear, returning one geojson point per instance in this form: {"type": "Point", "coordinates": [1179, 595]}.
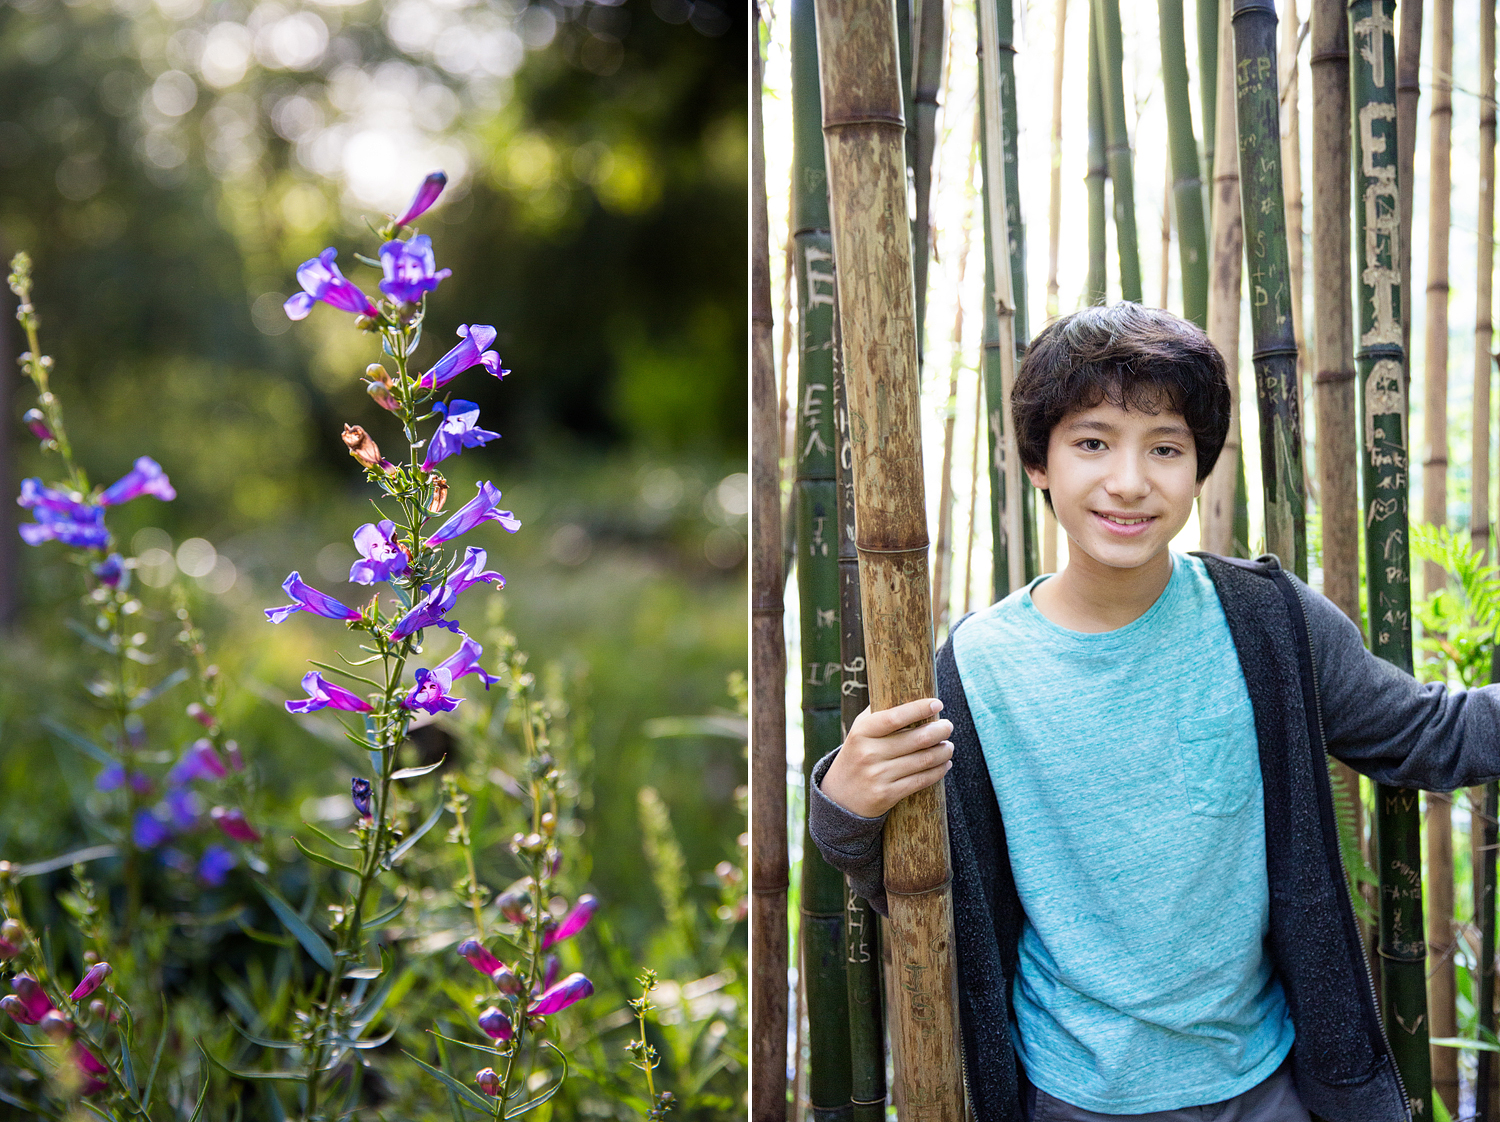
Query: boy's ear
{"type": "Point", "coordinates": [1038, 477]}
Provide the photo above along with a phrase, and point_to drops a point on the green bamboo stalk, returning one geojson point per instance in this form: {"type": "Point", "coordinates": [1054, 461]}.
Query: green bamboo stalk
{"type": "Point", "coordinates": [822, 892]}
{"type": "Point", "coordinates": [930, 36]}
{"type": "Point", "coordinates": [990, 374]}
{"type": "Point", "coordinates": [1263, 211]}
{"type": "Point", "coordinates": [1483, 823]}
{"type": "Point", "coordinates": [1479, 459]}
{"type": "Point", "coordinates": [861, 933]}
{"type": "Point", "coordinates": [1208, 85]}
{"type": "Point", "coordinates": [1385, 462]}
{"type": "Point", "coordinates": [1054, 192]}
{"type": "Point", "coordinates": [1187, 177]}
{"type": "Point", "coordinates": [1094, 286]}
{"type": "Point", "coordinates": [1122, 179]}
{"type": "Point", "coordinates": [1408, 90]}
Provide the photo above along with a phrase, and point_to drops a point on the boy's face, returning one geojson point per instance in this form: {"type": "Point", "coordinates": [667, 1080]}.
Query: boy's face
{"type": "Point", "coordinates": [1122, 482]}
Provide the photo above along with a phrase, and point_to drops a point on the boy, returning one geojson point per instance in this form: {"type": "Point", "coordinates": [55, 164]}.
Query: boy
{"type": "Point", "coordinates": [1151, 916]}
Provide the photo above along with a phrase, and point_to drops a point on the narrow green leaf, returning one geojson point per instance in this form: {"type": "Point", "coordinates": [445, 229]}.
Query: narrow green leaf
{"type": "Point", "coordinates": [386, 916]}
{"type": "Point", "coordinates": [401, 850]}
{"type": "Point", "coordinates": [264, 1042]}
{"type": "Point", "coordinates": [532, 1104]}
{"type": "Point", "coordinates": [263, 936]}
{"type": "Point", "coordinates": [465, 1044]}
{"type": "Point", "coordinates": [364, 973]}
{"type": "Point", "coordinates": [413, 772]}
{"type": "Point", "coordinates": [340, 670]}
{"type": "Point", "coordinates": [156, 1060]}
{"type": "Point", "coordinates": [1463, 1043]}
{"type": "Point", "coordinates": [79, 741]}
{"type": "Point", "coordinates": [92, 638]}
{"type": "Point", "coordinates": [311, 941]}
{"type": "Point", "coordinates": [453, 1106]}
{"type": "Point", "coordinates": [347, 1042]}
{"type": "Point", "coordinates": [314, 855]}
{"type": "Point", "coordinates": [64, 860]}
{"type": "Point", "coordinates": [23, 1043]}
{"type": "Point", "coordinates": [177, 677]}
{"type": "Point", "coordinates": [202, 1098]}
{"type": "Point", "coordinates": [254, 1076]}
{"type": "Point", "coordinates": [330, 839]}
{"type": "Point", "coordinates": [127, 1070]}
{"type": "Point", "coordinates": [470, 1098]}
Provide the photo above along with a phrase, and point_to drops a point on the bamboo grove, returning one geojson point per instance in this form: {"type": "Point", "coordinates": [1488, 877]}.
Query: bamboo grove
{"type": "Point", "coordinates": [900, 135]}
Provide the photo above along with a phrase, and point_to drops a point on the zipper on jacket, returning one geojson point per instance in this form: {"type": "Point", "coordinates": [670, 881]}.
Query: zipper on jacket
{"type": "Point", "coordinates": [1343, 868]}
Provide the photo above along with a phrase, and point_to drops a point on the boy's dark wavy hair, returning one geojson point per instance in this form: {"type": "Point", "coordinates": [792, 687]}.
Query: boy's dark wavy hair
{"type": "Point", "coordinates": [1130, 356]}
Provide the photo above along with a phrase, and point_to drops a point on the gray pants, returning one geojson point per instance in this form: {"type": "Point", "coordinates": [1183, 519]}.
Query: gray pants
{"type": "Point", "coordinates": [1275, 1100]}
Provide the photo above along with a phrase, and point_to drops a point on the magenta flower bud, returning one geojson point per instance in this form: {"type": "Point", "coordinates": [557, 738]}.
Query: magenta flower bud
{"type": "Point", "coordinates": [574, 922]}
{"type": "Point", "coordinates": [91, 981]}
{"type": "Point", "coordinates": [359, 792]}
{"type": "Point", "coordinates": [549, 970]}
{"type": "Point", "coordinates": [8, 949]}
{"type": "Point", "coordinates": [426, 195]}
{"type": "Point", "coordinates": [479, 956]}
{"type": "Point", "coordinates": [88, 1062]}
{"type": "Point", "coordinates": [236, 758]}
{"type": "Point", "coordinates": [111, 570]}
{"type": "Point", "coordinates": [37, 1003]}
{"type": "Point", "coordinates": [506, 981]}
{"type": "Point", "coordinates": [495, 1024]}
{"type": "Point", "coordinates": [575, 987]}
{"type": "Point", "coordinates": [57, 1026]}
{"type": "Point", "coordinates": [17, 1010]}
{"type": "Point", "coordinates": [36, 421]}
{"type": "Point", "coordinates": [201, 715]}
{"type": "Point", "coordinates": [321, 694]}
{"type": "Point", "coordinates": [515, 901]}
{"type": "Point", "coordinates": [488, 1082]}
{"type": "Point", "coordinates": [232, 822]}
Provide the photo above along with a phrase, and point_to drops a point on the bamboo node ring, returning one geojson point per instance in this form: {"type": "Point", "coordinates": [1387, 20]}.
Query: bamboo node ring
{"type": "Point", "coordinates": [941, 886]}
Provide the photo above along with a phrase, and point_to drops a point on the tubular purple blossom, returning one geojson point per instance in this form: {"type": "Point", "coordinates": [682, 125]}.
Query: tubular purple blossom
{"type": "Point", "coordinates": [145, 478]}
{"type": "Point", "coordinates": [149, 831]}
{"type": "Point", "coordinates": [574, 921]}
{"type": "Point", "coordinates": [36, 421]}
{"type": "Point", "coordinates": [426, 195]}
{"type": "Point", "coordinates": [29, 992]}
{"type": "Point", "coordinates": [410, 270]}
{"type": "Point", "coordinates": [458, 431]}
{"type": "Point", "coordinates": [483, 507]}
{"type": "Point", "coordinates": [323, 694]}
{"type": "Point", "coordinates": [60, 517]}
{"type": "Point", "coordinates": [8, 949]}
{"type": "Point", "coordinates": [465, 661]}
{"type": "Point", "coordinates": [17, 1010]}
{"type": "Point", "coordinates": [232, 822]}
{"type": "Point", "coordinates": [91, 981]}
{"type": "Point", "coordinates": [360, 792]}
{"type": "Point", "coordinates": [479, 956]}
{"type": "Point", "coordinates": [515, 902]}
{"type": "Point", "coordinates": [200, 760]}
{"type": "Point", "coordinates": [309, 599]}
{"type": "Point", "coordinates": [575, 987]}
{"type": "Point", "coordinates": [110, 570]}
{"type": "Point", "coordinates": [382, 558]}
{"type": "Point", "coordinates": [488, 1081]}
{"type": "Point", "coordinates": [57, 1025]}
{"type": "Point", "coordinates": [550, 966]}
{"type": "Point", "coordinates": [470, 352]}
{"type": "Point", "coordinates": [430, 610]}
{"type": "Point", "coordinates": [321, 280]}
{"type": "Point", "coordinates": [430, 694]}
{"type": "Point", "coordinates": [496, 1024]}
{"type": "Point", "coordinates": [215, 864]}
{"type": "Point", "coordinates": [507, 981]}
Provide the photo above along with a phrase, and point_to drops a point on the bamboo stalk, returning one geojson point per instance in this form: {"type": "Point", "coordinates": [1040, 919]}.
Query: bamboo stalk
{"type": "Point", "coordinates": [1257, 105]}
{"type": "Point", "coordinates": [1483, 824]}
{"type": "Point", "coordinates": [1166, 232]}
{"type": "Point", "coordinates": [1122, 179]}
{"type": "Point", "coordinates": [993, 19]}
{"type": "Point", "coordinates": [1333, 331]}
{"type": "Point", "coordinates": [1291, 179]}
{"type": "Point", "coordinates": [1408, 89]}
{"type": "Point", "coordinates": [1054, 193]}
{"type": "Point", "coordinates": [768, 868]}
{"type": "Point", "coordinates": [927, 77]}
{"type": "Point", "coordinates": [974, 462]}
{"type": "Point", "coordinates": [1187, 176]}
{"type": "Point", "coordinates": [1441, 980]}
{"type": "Point", "coordinates": [1385, 462]}
{"type": "Point", "coordinates": [861, 933]}
{"type": "Point", "coordinates": [862, 124]}
{"type": "Point", "coordinates": [991, 379]}
{"type": "Point", "coordinates": [822, 889]}
{"type": "Point", "coordinates": [1208, 88]}
{"type": "Point", "coordinates": [1095, 285]}
{"type": "Point", "coordinates": [1479, 498]}
{"type": "Point", "coordinates": [1217, 503]}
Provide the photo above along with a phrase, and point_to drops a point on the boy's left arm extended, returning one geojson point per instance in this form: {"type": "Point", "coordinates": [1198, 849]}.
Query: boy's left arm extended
{"type": "Point", "coordinates": [1386, 724]}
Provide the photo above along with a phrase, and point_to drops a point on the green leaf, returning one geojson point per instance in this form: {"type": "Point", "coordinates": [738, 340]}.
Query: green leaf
{"type": "Point", "coordinates": [413, 772]}
{"type": "Point", "coordinates": [488, 1051]}
{"type": "Point", "coordinates": [401, 850]}
{"type": "Point", "coordinates": [470, 1098]}
{"type": "Point", "coordinates": [264, 1042]}
{"type": "Point", "coordinates": [331, 840]}
{"type": "Point", "coordinates": [92, 638]}
{"type": "Point", "coordinates": [24, 1044]}
{"type": "Point", "coordinates": [531, 1104]}
{"type": "Point", "coordinates": [127, 1070]}
{"type": "Point", "coordinates": [458, 1114]}
{"type": "Point", "coordinates": [63, 861]}
{"type": "Point", "coordinates": [202, 1098]}
{"type": "Point", "coordinates": [364, 973]}
{"type": "Point", "coordinates": [311, 941]}
{"type": "Point", "coordinates": [254, 1076]}
{"type": "Point", "coordinates": [1463, 1043]}
{"type": "Point", "coordinates": [79, 741]}
{"type": "Point", "coordinates": [349, 1042]}
{"type": "Point", "coordinates": [156, 1060]}
{"type": "Point", "coordinates": [177, 677]}
{"type": "Point", "coordinates": [386, 916]}
{"type": "Point", "coordinates": [332, 863]}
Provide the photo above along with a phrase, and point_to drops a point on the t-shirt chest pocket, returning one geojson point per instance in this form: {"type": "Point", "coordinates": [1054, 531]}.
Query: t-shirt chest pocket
{"type": "Point", "coordinates": [1220, 761]}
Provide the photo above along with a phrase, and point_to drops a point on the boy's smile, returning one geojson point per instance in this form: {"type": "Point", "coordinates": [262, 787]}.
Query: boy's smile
{"type": "Point", "coordinates": [1122, 483]}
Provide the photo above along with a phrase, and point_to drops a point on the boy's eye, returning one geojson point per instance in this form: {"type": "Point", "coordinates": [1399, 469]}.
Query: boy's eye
{"type": "Point", "coordinates": [1091, 444]}
{"type": "Point", "coordinates": [1166, 451]}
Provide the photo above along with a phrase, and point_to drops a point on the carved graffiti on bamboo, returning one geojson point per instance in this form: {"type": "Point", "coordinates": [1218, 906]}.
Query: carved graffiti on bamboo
{"type": "Point", "coordinates": [1382, 224]}
{"type": "Point", "coordinates": [854, 671]}
{"type": "Point", "coordinates": [812, 413]}
{"type": "Point", "coordinates": [818, 547]}
{"type": "Point", "coordinates": [819, 281]}
{"type": "Point", "coordinates": [1385, 395]}
{"type": "Point", "coordinates": [856, 935]}
{"type": "Point", "coordinates": [1371, 31]}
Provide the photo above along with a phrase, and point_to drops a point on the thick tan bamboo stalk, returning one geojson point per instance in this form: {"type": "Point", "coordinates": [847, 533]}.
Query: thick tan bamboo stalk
{"type": "Point", "coordinates": [768, 869]}
{"type": "Point", "coordinates": [1440, 973]}
{"type": "Point", "coordinates": [974, 463]}
{"type": "Point", "coordinates": [1479, 511]}
{"type": "Point", "coordinates": [1054, 196]}
{"type": "Point", "coordinates": [1291, 183]}
{"type": "Point", "coordinates": [1216, 504]}
{"type": "Point", "coordinates": [997, 205]}
{"type": "Point", "coordinates": [1408, 89]}
{"type": "Point", "coordinates": [863, 127]}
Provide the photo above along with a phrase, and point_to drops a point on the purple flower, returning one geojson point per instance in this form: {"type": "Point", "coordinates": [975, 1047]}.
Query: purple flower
{"type": "Point", "coordinates": [232, 821]}
{"type": "Point", "coordinates": [59, 517]}
{"type": "Point", "coordinates": [488, 1081]}
{"type": "Point", "coordinates": [496, 1025]}
{"type": "Point", "coordinates": [200, 760]}
{"type": "Point", "coordinates": [550, 968]}
{"type": "Point", "coordinates": [145, 478]}
{"type": "Point", "coordinates": [383, 558]}
{"type": "Point", "coordinates": [481, 508]}
{"type": "Point", "coordinates": [17, 1010]}
{"type": "Point", "coordinates": [110, 570]}
{"type": "Point", "coordinates": [506, 981]}
{"type": "Point", "coordinates": [573, 922]}
{"type": "Point", "coordinates": [308, 599]}
{"type": "Point", "coordinates": [183, 807]}
{"type": "Point", "coordinates": [321, 280]}
{"type": "Point", "coordinates": [479, 956]}
{"type": "Point", "coordinates": [91, 981]}
{"type": "Point", "coordinates": [470, 352]}
{"type": "Point", "coordinates": [430, 610]}
{"type": "Point", "coordinates": [322, 694]}
{"type": "Point", "coordinates": [359, 791]}
{"type": "Point", "coordinates": [431, 692]}
{"type": "Point", "coordinates": [214, 866]}
{"type": "Point", "coordinates": [149, 831]}
{"type": "Point", "coordinates": [575, 987]}
{"type": "Point", "coordinates": [410, 271]}
{"type": "Point", "coordinates": [465, 660]}
{"type": "Point", "coordinates": [456, 433]}
{"type": "Point", "coordinates": [36, 421]}
{"type": "Point", "coordinates": [111, 778]}
{"type": "Point", "coordinates": [426, 195]}
{"type": "Point", "coordinates": [31, 997]}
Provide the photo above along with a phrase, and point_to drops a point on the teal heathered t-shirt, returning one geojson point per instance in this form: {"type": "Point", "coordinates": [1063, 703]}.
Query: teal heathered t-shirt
{"type": "Point", "coordinates": [1127, 772]}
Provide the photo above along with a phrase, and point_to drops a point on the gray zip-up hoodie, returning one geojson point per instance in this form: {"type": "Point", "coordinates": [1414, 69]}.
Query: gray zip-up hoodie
{"type": "Point", "coordinates": [1313, 689]}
